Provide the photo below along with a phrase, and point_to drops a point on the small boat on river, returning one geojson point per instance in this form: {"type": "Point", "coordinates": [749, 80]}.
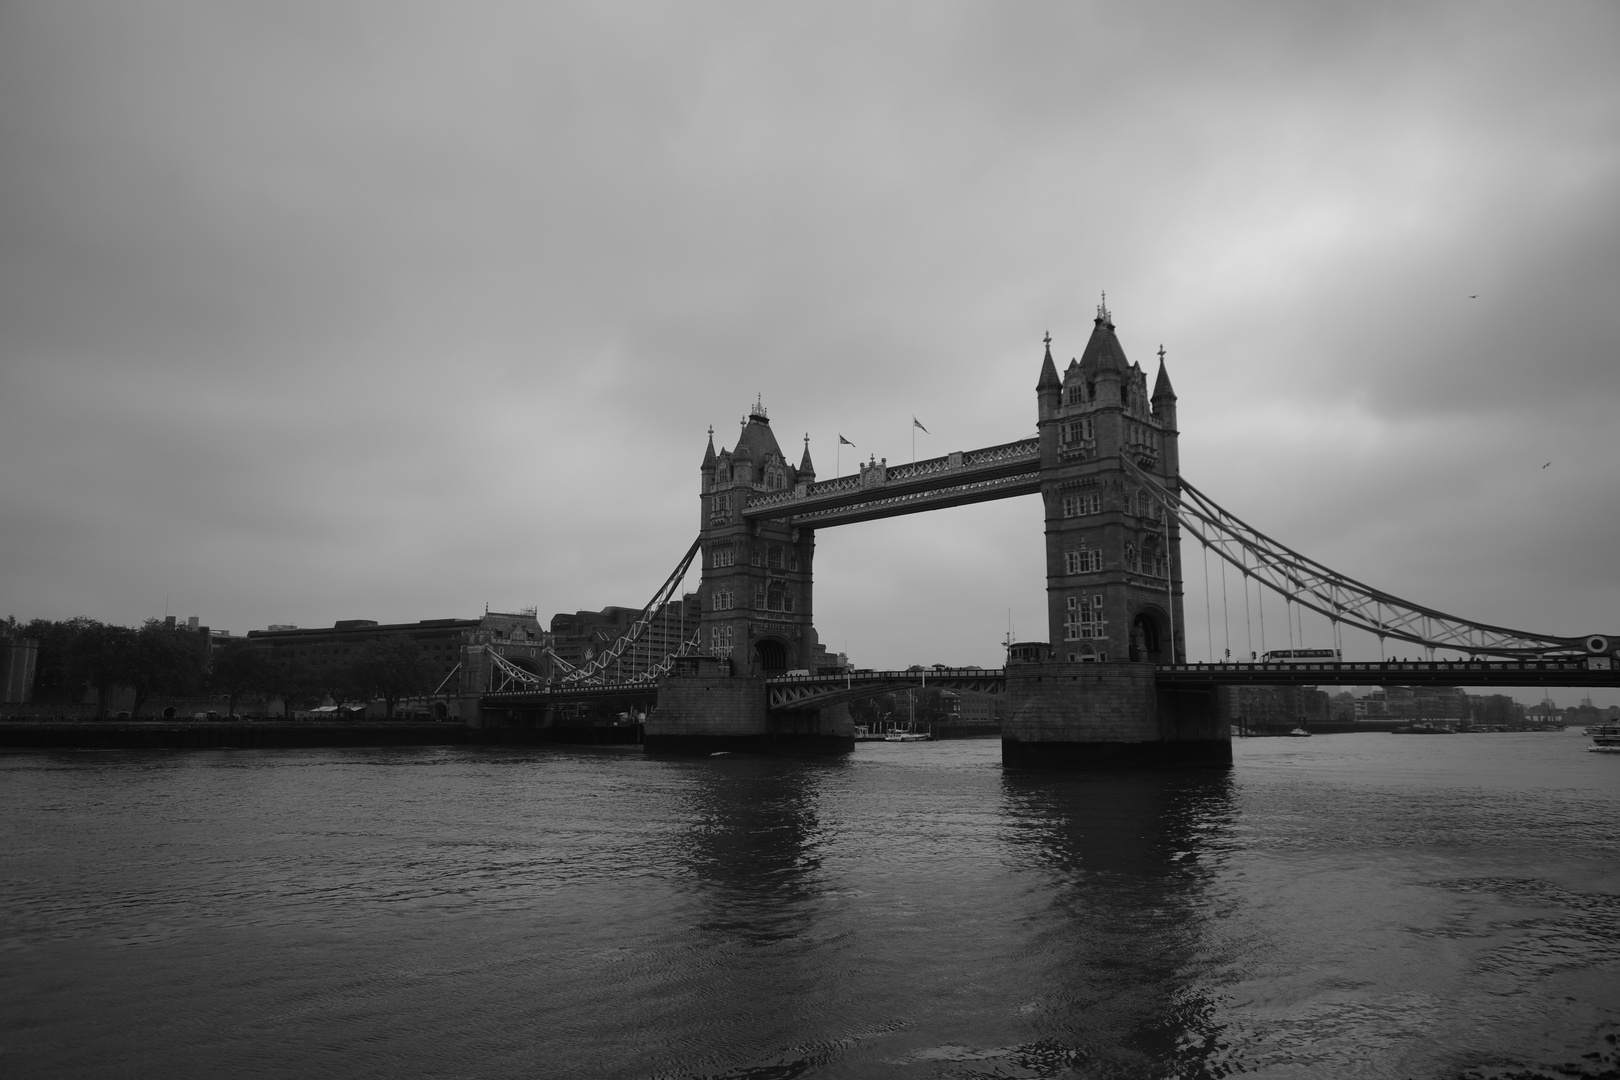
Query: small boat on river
{"type": "Point", "coordinates": [1605, 738]}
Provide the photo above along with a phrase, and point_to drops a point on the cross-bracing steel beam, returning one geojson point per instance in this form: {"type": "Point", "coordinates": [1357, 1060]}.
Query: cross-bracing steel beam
{"type": "Point", "coordinates": [596, 670]}
{"type": "Point", "coordinates": [1343, 599]}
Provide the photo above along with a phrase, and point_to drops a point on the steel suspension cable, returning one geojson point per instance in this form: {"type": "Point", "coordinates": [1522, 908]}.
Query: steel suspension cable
{"type": "Point", "coordinates": [1338, 596]}
{"type": "Point", "coordinates": [1209, 626]}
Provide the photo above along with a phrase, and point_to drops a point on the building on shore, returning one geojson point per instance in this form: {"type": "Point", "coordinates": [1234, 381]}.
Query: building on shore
{"type": "Point", "coordinates": [583, 636]}
{"type": "Point", "coordinates": [456, 648]}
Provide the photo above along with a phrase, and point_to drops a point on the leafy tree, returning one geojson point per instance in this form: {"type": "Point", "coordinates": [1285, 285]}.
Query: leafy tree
{"type": "Point", "coordinates": [101, 656]}
{"type": "Point", "coordinates": [392, 668]}
{"type": "Point", "coordinates": [293, 682]}
{"type": "Point", "coordinates": [54, 673]}
{"type": "Point", "coordinates": [165, 660]}
{"type": "Point", "coordinates": [340, 683]}
{"type": "Point", "coordinates": [238, 668]}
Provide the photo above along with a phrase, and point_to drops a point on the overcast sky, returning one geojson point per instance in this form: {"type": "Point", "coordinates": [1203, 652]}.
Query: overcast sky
{"type": "Point", "coordinates": [381, 310]}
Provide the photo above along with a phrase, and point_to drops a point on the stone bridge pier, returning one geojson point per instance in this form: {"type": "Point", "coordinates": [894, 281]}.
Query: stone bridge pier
{"type": "Point", "coordinates": [704, 707]}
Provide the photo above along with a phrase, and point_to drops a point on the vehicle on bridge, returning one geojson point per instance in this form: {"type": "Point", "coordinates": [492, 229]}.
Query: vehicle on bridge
{"type": "Point", "coordinates": [1302, 656]}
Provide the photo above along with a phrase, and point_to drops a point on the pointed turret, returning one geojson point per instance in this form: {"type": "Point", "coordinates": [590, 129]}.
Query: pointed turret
{"type": "Point", "coordinates": [1161, 386]}
{"type": "Point", "coordinates": [807, 471]}
{"type": "Point", "coordinates": [756, 440]}
{"type": "Point", "coordinates": [1049, 375]}
{"type": "Point", "coordinates": [708, 455]}
{"type": "Point", "coordinates": [1103, 351]}
{"type": "Point", "coordinates": [1049, 391]}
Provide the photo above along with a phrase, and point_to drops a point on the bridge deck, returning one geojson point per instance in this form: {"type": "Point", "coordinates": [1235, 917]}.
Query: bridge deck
{"type": "Point", "coordinates": [1581, 671]}
{"type": "Point", "coordinates": [799, 692]}
{"type": "Point", "coordinates": [994, 472]}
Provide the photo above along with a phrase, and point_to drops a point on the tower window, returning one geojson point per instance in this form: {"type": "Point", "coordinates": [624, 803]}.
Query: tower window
{"type": "Point", "coordinates": [1082, 561]}
{"type": "Point", "coordinates": [725, 555]}
{"type": "Point", "coordinates": [773, 557]}
{"type": "Point", "coordinates": [1082, 504]}
{"type": "Point", "coordinates": [1083, 620]}
{"type": "Point", "coordinates": [720, 640]}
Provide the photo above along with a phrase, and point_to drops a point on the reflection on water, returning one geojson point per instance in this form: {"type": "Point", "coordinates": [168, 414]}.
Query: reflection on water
{"type": "Point", "coordinates": [753, 843]}
{"type": "Point", "coordinates": [1358, 906]}
{"type": "Point", "coordinates": [1129, 858]}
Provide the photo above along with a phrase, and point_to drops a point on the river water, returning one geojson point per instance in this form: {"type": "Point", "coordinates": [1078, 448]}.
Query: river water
{"type": "Point", "coordinates": [1360, 905]}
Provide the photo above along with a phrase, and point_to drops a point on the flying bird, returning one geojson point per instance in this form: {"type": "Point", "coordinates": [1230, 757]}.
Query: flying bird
{"type": "Point", "coordinates": [1548, 463]}
{"type": "Point", "coordinates": [1473, 296]}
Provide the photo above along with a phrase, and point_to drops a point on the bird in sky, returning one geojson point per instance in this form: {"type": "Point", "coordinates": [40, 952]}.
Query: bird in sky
{"type": "Point", "coordinates": [1473, 296]}
{"type": "Point", "coordinates": [1548, 463]}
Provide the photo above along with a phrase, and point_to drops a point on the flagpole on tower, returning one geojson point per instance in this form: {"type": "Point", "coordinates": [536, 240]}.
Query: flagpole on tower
{"type": "Point", "coordinates": [915, 424]}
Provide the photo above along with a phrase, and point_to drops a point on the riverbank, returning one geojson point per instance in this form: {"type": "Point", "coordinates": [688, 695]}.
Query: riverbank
{"type": "Point", "coordinates": [231, 734]}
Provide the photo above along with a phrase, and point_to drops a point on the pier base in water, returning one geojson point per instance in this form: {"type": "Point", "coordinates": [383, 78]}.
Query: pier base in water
{"type": "Point", "coordinates": [704, 710]}
{"type": "Point", "coordinates": [1108, 716]}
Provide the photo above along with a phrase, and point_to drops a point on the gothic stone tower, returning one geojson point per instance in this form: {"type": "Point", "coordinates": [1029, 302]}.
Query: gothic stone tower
{"type": "Point", "coordinates": [1087, 696]}
{"type": "Point", "coordinates": [756, 616]}
{"type": "Point", "coordinates": [756, 575]}
{"type": "Point", "coordinates": [1113, 566]}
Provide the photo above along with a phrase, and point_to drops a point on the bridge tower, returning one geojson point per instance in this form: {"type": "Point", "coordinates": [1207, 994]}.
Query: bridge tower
{"type": "Point", "coordinates": [1113, 566]}
{"type": "Point", "coordinates": [1087, 696]}
{"type": "Point", "coordinates": [756, 589]}
{"type": "Point", "coordinates": [756, 612]}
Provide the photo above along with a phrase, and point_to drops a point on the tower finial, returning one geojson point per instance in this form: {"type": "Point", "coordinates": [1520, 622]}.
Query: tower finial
{"type": "Point", "coordinates": [1102, 308]}
{"type": "Point", "coordinates": [1048, 339]}
{"type": "Point", "coordinates": [1161, 354]}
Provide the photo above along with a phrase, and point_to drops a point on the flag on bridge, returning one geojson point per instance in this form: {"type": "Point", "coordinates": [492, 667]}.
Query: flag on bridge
{"type": "Point", "coordinates": [845, 441]}
{"type": "Point", "coordinates": [918, 423]}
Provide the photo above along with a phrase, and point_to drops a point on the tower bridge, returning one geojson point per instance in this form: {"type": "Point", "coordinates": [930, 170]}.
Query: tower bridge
{"type": "Point", "coordinates": [1110, 685]}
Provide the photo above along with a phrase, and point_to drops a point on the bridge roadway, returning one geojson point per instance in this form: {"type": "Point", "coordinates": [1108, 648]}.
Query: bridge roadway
{"type": "Point", "coordinates": [794, 693]}
{"type": "Point", "coordinates": [1565, 671]}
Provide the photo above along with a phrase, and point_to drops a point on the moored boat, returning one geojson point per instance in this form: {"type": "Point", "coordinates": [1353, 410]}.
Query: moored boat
{"type": "Point", "coordinates": [1605, 738]}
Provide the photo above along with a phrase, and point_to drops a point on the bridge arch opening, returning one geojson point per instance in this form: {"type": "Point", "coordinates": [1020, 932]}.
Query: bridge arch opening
{"type": "Point", "coordinates": [1149, 636]}
{"type": "Point", "coordinates": [770, 655]}
{"type": "Point", "coordinates": [523, 662]}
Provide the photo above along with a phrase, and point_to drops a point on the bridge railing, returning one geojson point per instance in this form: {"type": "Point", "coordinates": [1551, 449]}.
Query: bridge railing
{"type": "Point", "coordinates": [863, 675]}
{"type": "Point", "coordinates": [994, 455]}
{"type": "Point", "coordinates": [1388, 667]}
